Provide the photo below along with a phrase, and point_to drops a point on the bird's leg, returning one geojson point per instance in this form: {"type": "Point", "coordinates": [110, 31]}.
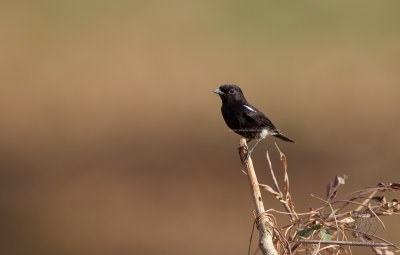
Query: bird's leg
{"type": "Point", "coordinates": [251, 150]}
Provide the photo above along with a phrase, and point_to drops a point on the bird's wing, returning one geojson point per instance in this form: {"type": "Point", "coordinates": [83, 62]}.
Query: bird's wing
{"type": "Point", "coordinates": [254, 116]}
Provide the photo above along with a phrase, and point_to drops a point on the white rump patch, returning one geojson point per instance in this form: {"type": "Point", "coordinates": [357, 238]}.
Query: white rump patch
{"type": "Point", "coordinates": [249, 108]}
{"type": "Point", "coordinates": [264, 133]}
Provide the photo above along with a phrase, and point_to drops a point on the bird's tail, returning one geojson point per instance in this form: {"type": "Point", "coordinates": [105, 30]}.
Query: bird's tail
{"type": "Point", "coordinates": [283, 137]}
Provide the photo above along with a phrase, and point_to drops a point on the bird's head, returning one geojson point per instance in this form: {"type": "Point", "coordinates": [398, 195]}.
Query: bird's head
{"type": "Point", "coordinates": [230, 93]}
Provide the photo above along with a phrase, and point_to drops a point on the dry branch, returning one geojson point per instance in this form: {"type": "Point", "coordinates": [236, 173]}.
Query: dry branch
{"type": "Point", "coordinates": [315, 230]}
{"type": "Point", "coordinates": [326, 223]}
{"type": "Point", "coordinates": [341, 242]}
{"type": "Point", "coordinates": [265, 224]}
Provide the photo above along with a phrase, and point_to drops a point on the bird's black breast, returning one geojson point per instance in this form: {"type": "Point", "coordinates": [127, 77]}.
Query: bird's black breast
{"type": "Point", "coordinates": [236, 121]}
{"type": "Point", "coordinates": [232, 117]}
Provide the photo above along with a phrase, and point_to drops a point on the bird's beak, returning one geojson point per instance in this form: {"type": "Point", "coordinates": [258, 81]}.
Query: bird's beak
{"type": "Point", "coordinates": [218, 91]}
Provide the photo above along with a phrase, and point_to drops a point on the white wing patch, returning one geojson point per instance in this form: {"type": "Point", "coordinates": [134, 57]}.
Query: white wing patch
{"type": "Point", "coordinates": [249, 108]}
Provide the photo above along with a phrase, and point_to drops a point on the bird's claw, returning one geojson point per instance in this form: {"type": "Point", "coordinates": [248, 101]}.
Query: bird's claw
{"type": "Point", "coordinates": [248, 155]}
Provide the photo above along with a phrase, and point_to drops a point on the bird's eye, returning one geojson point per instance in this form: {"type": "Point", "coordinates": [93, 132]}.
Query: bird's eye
{"type": "Point", "coordinates": [232, 91]}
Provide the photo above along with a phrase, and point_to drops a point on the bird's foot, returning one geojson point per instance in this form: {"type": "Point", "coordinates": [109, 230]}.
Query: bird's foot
{"type": "Point", "coordinates": [248, 154]}
{"type": "Point", "coordinates": [251, 150]}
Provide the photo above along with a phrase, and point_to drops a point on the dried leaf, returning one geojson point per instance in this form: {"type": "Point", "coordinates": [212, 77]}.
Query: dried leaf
{"type": "Point", "coordinates": [332, 188]}
{"type": "Point", "coordinates": [347, 220]}
{"type": "Point", "coordinates": [339, 180]}
{"type": "Point", "coordinates": [308, 231]}
{"type": "Point", "coordinates": [270, 190]}
{"type": "Point", "coordinates": [380, 186]}
{"type": "Point", "coordinates": [380, 199]}
{"type": "Point", "coordinates": [392, 206]}
{"type": "Point", "coordinates": [285, 174]}
{"type": "Point", "coordinates": [395, 186]}
{"type": "Point", "coordinates": [328, 190]}
{"type": "Point", "coordinates": [289, 201]}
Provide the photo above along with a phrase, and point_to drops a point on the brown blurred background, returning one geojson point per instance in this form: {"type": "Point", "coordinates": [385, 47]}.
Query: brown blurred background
{"type": "Point", "coordinates": [112, 142]}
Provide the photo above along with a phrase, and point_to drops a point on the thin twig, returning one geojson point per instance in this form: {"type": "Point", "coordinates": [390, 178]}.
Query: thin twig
{"type": "Point", "coordinates": [334, 215]}
{"type": "Point", "coordinates": [251, 237]}
{"type": "Point", "coordinates": [372, 211]}
{"type": "Point", "coordinates": [288, 197]}
{"type": "Point", "coordinates": [274, 181]}
{"type": "Point", "coordinates": [345, 237]}
{"type": "Point", "coordinates": [308, 213]}
{"type": "Point", "coordinates": [276, 185]}
{"type": "Point", "coordinates": [328, 247]}
{"type": "Point", "coordinates": [374, 236]}
{"type": "Point", "coordinates": [365, 202]}
{"type": "Point", "coordinates": [341, 242]}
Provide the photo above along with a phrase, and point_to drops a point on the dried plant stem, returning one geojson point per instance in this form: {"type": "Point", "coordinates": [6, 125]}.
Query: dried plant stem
{"type": "Point", "coordinates": [318, 221]}
{"type": "Point", "coordinates": [387, 243]}
{"type": "Point", "coordinates": [278, 190]}
{"type": "Point", "coordinates": [366, 200]}
{"type": "Point", "coordinates": [265, 225]}
{"type": "Point", "coordinates": [274, 180]}
{"type": "Point", "coordinates": [372, 211]}
{"type": "Point", "coordinates": [341, 243]}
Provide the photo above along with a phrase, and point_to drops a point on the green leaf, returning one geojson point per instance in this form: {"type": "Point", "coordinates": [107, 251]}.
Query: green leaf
{"type": "Point", "coordinates": [334, 212]}
{"type": "Point", "coordinates": [325, 234]}
{"type": "Point", "coordinates": [308, 231]}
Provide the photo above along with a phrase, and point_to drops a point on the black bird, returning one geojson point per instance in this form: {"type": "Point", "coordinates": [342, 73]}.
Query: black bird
{"type": "Point", "coordinates": [243, 118]}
